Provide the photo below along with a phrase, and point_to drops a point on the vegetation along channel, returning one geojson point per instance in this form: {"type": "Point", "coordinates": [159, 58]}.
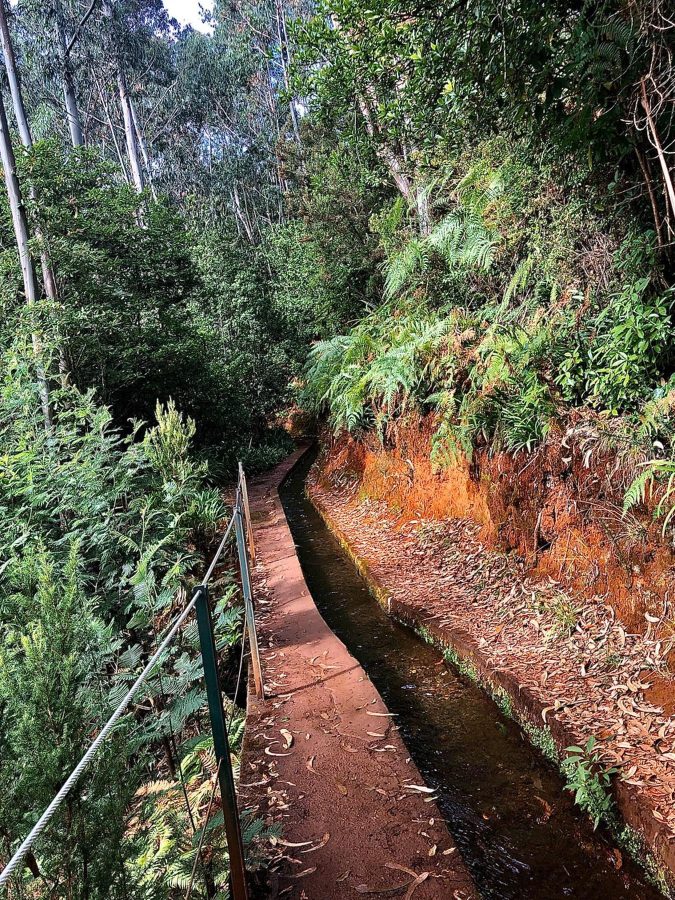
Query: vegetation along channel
{"type": "Point", "coordinates": [517, 830]}
{"type": "Point", "coordinates": [438, 238]}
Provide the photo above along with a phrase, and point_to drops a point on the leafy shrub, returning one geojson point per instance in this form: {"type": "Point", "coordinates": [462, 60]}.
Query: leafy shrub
{"type": "Point", "coordinates": [95, 549]}
{"type": "Point", "coordinates": [309, 295]}
{"type": "Point", "coordinates": [589, 781]}
{"type": "Point", "coordinates": [615, 364]}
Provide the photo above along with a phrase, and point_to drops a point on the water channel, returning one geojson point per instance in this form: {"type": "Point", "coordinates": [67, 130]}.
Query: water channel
{"type": "Point", "coordinates": [518, 830]}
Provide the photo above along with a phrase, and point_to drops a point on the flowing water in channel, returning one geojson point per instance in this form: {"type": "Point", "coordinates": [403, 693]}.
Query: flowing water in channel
{"type": "Point", "coordinates": [518, 832]}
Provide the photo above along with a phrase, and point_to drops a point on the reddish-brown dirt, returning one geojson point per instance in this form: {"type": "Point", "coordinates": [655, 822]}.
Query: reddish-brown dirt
{"type": "Point", "coordinates": [560, 508]}
{"type": "Point", "coordinates": [322, 755]}
{"type": "Point", "coordinates": [565, 661]}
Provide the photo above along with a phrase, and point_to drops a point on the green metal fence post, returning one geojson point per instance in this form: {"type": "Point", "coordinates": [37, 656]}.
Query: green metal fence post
{"type": "Point", "coordinates": [221, 746]}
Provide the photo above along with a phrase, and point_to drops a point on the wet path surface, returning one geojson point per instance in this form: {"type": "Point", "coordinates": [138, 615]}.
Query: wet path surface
{"type": "Point", "coordinates": [519, 834]}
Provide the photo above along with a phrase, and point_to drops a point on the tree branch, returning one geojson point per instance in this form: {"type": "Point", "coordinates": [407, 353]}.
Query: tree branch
{"type": "Point", "coordinates": [78, 30]}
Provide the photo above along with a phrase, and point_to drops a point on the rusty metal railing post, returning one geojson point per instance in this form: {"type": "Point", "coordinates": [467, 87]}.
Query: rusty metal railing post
{"type": "Point", "coordinates": [248, 602]}
{"type": "Point", "coordinates": [247, 514]}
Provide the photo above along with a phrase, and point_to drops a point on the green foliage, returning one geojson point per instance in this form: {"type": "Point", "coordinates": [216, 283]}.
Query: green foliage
{"type": "Point", "coordinates": [469, 165]}
{"type": "Point", "coordinates": [637, 492]}
{"type": "Point", "coordinates": [441, 78]}
{"type": "Point", "coordinates": [560, 611]}
{"type": "Point", "coordinates": [386, 366]}
{"type": "Point", "coordinates": [54, 654]}
{"type": "Point", "coordinates": [633, 843]}
{"type": "Point", "coordinates": [149, 310]}
{"type": "Point", "coordinates": [589, 781]}
{"type": "Point", "coordinates": [311, 296]}
{"type": "Point", "coordinates": [508, 403]}
{"type": "Point", "coordinates": [464, 666]}
{"type": "Point", "coordinates": [463, 238]}
{"type": "Point", "coordinates": [615, 363]}
{"type": "Point", "coordinates": [167, 445]}
{"type": "Point", "coordinates": [244, 350]}
{"type": "Point", "coordinates": [657, 478]}
{"type": "Point", "coordinates": [504, 702]}
{"type": "Point", "coordinates": [513, 176]}
{"type": "Point", "coordinates": [526, 331]}
{"type": "Point", "coordinates": [542, 739]}
{"type": "Point", "coordinates": [95, 532]}
{"type": "Point", "coordinates": [492, 390]}
{"type": "Point", "coordinates": [124, 314]}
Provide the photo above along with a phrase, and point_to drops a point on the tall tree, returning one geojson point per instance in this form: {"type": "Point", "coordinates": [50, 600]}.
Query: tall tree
{"type": "Point", "coordinates": [131, 136]}
{"type": "Point", "coordinates": [68, 79]}
{"type": "Point", "coordinates": [20, 225]}
{"type": "Point", "coordinates": [130, 133]}
{"type": "Point", "coordinates": [26, 137]}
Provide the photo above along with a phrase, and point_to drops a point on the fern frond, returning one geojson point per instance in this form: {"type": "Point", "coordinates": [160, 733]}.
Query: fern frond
{"type": "Point", "coordinates": [637, 491]}
{"type": "Point", "coordinates": [402, 266]}
{"type": "Point", "coordinates": [519, 279]}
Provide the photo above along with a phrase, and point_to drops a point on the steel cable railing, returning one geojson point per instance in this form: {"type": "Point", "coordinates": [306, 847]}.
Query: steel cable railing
{"type": "Point", "coordinates": [240, 522]}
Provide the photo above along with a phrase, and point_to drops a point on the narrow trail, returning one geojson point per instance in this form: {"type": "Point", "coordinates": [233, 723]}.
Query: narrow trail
{"type": "Point", "coordinates": [322, 755]}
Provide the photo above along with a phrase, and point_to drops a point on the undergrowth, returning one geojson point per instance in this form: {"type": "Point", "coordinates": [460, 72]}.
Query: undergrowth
{"type": "Point", "coordinates": [590, 782]}
{"type": "Point", "coordinates": [519, 305]}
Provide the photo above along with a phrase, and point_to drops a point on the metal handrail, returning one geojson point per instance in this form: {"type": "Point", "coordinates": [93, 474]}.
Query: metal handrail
{"type": "Point", "coordinates": [46, 816]}
{"type": "Point", "coordinates": [207, 644]}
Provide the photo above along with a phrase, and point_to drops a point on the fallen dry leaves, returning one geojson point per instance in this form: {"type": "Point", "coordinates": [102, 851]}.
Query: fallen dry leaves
{"type": "Point", "coordinates": [577, 659]}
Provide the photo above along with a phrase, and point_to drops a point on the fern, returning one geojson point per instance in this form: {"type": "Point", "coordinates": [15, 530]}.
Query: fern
{"type": "Point", "coordinates": [403, 265]}
{"type": "Point", "coordinates": [662, 472]}
{"type": "Point", "coordinates": [620, 31]}
{"type": "Point", "coordinates": [462, 238]}
{"type": "Point", "coordinates": [637, 492]}
{"type": "Point", "coordinates": [182, 710]}
{"type": "Point", "coordinates": [519, 279]}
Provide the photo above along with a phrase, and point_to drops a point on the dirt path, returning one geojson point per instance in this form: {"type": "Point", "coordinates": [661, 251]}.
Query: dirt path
{"type": "Point", "coordinates": [322, 755]}
{"type": "Point", "coordinates": [568, 670]}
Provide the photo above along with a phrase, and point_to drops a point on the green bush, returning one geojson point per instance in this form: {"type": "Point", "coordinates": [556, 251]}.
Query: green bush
{"type": "Point", "coordinates": [589, 781]}
{"type": "Point", "coordinates": [616, 363]}
{"type": "Point", "coordinates": [95, 547]}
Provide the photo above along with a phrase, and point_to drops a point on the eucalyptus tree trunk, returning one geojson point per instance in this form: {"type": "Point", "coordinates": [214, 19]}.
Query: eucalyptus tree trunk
{"type": "Point", "coordinates": [142, 146]}
{"type": "Point", "coordinates": [21, 235]}
{"type": "Point", "coordinates": [130, 135]}
{"type": "Point", "coordinates": [13, 79]}
{"type": "Point", "coordinates": [112, 127]}
{"type": "Point", "coordinates": [669, 187]}
{"type": "Point", "coordinates": [69, 94]}
{"type": "Point", "coordinates": [24, 131]}
{"type": "Point", "coordinates": [285, 55]}
{"type": "Point", "coordinates": [242, 217]}
{"type": "Point", "coordinates": [27, 140]}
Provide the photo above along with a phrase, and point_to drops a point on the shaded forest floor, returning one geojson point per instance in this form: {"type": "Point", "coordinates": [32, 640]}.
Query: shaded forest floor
{"type": "Point", "coordinates": [568, 669]}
